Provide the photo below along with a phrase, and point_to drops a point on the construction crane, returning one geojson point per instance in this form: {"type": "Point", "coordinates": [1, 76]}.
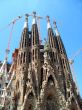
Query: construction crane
{"type": "Point", "coordinates": [10, 37]}
{"type": "Point", "coordinates": [71, 62]}
{"type": "Point", "coordinates": [8, 48]}
{"type": "Point", "coordinates": [3, 69]}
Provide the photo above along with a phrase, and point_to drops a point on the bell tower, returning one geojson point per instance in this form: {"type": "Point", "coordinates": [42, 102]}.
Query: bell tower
{"type": "Point", "coordinates": [22, 66]}
{"type": "Point", "coordinates": [35, 50]}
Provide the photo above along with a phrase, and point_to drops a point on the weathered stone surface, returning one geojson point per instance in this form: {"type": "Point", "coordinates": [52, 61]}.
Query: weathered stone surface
{"type": "Point", "coordinates": [43, 78]}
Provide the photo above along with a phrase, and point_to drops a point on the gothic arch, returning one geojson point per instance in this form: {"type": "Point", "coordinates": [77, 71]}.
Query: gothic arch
{"type": "Point", "coordinates": [50, 86]}
{"type": "Point", "coordinates": [30, 95]}
{"type": "Point", "coordinates": [50, 81]}
{"type": "Point", "coordinates": [30, 100]}
{"type": "Point", "coordinates": [50, 102]}
{"type": "Point", "coordinates": [51, 94]}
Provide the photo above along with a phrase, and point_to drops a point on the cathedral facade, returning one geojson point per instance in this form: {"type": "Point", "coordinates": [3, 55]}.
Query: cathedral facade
{"type": "Point", "coordinates": [43, 79]}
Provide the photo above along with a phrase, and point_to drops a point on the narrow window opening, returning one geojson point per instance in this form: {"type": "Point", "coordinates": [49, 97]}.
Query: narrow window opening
{"type": "Point", "coordinates": [50, 81]}
{"type": "Point", "coordinates": [24, 58]}
{"type": "Point", "coordinates": [25, 43]}
{"type": "Point", "coordinates": [35, 54]}
{"type": "Point", "coordinates": [41, 75]}
{"type": "Point", "coordinates": [29, 57]}
{"type": "Point", "coordinates": [30, 96]}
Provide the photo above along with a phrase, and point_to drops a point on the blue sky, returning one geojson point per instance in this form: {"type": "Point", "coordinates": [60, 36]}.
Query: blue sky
{"type": "Point", "coordinates": [67, 13]}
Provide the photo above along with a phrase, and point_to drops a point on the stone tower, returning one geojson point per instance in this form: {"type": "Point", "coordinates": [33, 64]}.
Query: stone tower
{"type": "Point", "coordinates": [43, 80]}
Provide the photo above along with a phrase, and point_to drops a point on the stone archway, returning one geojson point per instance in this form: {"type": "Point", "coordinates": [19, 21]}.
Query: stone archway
{"type": "Point", "coordinates": [50, 81]}
{"type": "Point", "coordinates": [51, 96]}
{"type": "Point", "coordinates": [50, 105]}
{"type": "Point", "coordinates": [51, 102]}
{"type": "Point", "coordinates": [29, 105]}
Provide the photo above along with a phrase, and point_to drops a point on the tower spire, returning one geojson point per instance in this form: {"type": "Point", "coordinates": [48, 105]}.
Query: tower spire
{"type": "Point", "coordinates": [56, 30]}
{"type": "Point", "coordinates": [25, 36]}
{"type": "Point", "coordinates": [34, 18]}
{"type": "Point", "coordinates": [48, 22]}
{"type": "Point", "coordinates": [26, 21]}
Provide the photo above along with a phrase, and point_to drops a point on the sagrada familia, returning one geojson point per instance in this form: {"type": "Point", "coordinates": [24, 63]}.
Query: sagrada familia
{"type": "Point", "coordinates": [43, 79]}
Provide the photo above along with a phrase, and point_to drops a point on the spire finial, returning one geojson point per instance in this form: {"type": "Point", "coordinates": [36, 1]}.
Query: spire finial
{"type": "Point", "coordinates": [55, 26]}
{"type": "Point", "coordinates": [48, 22]}
{"type": "Point", "coordinates": [26, 17]}
{"type": "Point", "coordinates": [26, 21]}
{"type": "Point", "coordinates": [48, 18]}
{"type": "Point", "coordinates": [56, 30]}
{"type": "Point", "coordinates": [34, 13]}
{"type": "Point", "coordinates": [34, 18]}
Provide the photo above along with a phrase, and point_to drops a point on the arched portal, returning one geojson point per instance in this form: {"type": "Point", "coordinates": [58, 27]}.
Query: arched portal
{"type": "Point", "coordinates": [50, 103]}
{"type": "Point", "coordinates": [50, 81]}
{"type": "Point", "coordinates": [30, 101]}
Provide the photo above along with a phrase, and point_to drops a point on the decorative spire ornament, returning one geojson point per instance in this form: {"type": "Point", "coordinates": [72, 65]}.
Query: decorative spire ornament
{"type": "Point", "coordinates": [48, 22]}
